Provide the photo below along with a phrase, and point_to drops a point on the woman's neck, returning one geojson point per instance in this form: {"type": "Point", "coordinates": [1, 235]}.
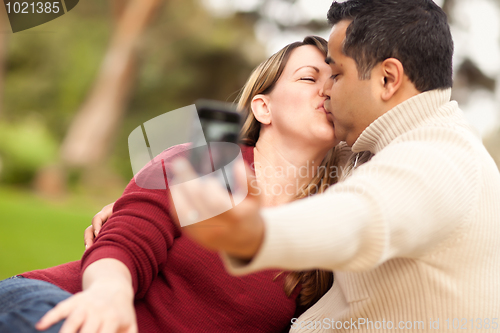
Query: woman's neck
{"type": "Point", "coordinates": [281, 170]}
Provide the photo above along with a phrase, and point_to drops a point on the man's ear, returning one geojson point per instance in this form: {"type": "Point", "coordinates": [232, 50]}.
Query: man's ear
{"type": "Point", "coordinates": [261, 109]}
{"type": "Point", "coordinates": [392, 76]}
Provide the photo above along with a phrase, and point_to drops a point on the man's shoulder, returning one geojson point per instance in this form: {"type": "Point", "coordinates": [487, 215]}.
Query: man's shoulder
{"type": "Point", "coordinates": [447, 125]}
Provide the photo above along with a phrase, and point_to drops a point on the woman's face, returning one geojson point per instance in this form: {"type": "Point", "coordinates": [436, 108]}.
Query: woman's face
{"type": "Point", "coordinates": [296, 102]}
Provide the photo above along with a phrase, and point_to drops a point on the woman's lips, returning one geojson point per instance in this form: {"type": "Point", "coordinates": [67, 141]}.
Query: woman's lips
{"type": "Point", "coordinates": [329, 115]}
{"type": "Point", "coordinates": [322, 108]}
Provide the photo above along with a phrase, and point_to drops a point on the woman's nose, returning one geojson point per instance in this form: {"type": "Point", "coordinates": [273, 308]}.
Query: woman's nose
{"type": "Point", "coordinates": [325, 90]}
{"type": "Point", "coordinates": [322, 91]}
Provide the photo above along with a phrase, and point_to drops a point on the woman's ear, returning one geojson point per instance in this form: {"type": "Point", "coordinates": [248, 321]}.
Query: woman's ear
{"type": "Point", "coordinates": [261, 109]}
{"type": "Point", "coordinates": [393, 76]}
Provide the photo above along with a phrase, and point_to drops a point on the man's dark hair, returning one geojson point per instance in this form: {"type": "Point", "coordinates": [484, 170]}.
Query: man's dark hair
{"type": "Point", "coordinates": [415, 32]}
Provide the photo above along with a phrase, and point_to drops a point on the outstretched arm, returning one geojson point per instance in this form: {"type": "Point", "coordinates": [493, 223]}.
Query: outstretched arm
{"type": "Point", "coordinates": [407, 200]}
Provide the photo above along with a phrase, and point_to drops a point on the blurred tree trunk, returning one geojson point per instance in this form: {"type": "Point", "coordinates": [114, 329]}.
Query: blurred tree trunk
{"type": "Point", "coordinates": [4, 33]}
{"type": "Point", "coordinates": [117, 8]}
{"type": "Point", "coordinates": [88, 139]}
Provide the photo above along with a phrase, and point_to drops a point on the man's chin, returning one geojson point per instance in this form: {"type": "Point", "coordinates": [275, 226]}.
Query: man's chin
{"type": "Point", "coordinates": [329, 116]}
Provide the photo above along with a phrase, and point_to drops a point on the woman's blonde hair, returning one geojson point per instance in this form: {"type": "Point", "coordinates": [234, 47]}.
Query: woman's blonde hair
{"type": "Point", "coordinates": [315, 283]}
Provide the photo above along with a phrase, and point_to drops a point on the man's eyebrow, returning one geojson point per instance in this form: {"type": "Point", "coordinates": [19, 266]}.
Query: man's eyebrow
{"type": "Point", "coordinates": [313, 67]}
{"type": "Point", "coordinates": [329, 60]}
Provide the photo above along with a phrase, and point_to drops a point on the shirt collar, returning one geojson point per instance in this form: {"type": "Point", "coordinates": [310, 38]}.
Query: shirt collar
{"type": "Point", "coordinates": [403, 118]}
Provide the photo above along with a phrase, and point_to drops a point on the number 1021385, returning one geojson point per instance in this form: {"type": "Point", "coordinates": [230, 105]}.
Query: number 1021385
{"type": "Point", "coordinates": [472, 323]}
{"type": "Point", "coordinates": [33, 7]}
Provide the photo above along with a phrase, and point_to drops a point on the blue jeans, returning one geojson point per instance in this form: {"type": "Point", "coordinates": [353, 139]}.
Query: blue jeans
{"type": "Point", "coordinates": [24, 301]}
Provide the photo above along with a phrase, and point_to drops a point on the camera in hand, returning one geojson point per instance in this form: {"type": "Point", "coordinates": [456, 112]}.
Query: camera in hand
{"type": "Point", "coordinates": [221, 125]}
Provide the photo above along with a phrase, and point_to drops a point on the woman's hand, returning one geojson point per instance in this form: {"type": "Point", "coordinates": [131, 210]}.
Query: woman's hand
{"type": "Point", "coordinates": [97, 222]}
{"type": "Point", "coordinates": [105, 306]}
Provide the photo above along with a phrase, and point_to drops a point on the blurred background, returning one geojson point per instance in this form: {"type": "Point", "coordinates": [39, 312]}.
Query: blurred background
{"type": "Point", "coordinates": [73, 89]}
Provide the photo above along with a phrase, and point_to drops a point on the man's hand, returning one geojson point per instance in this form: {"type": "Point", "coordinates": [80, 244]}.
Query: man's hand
{"type": "Point", "coordinates": [238, 231]}
{"type": "Point", "coordinates": [97, 222]}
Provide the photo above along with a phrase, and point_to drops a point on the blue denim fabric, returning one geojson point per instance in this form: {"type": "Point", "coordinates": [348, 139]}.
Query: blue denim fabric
{"type": "Point", "coordinates": [24, 301]}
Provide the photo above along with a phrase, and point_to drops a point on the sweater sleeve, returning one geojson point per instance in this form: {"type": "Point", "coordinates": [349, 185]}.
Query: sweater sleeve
{"type": "Point", "coordinates": [140, 231]}
{"type": "Point", "coordinates": [410, 198]}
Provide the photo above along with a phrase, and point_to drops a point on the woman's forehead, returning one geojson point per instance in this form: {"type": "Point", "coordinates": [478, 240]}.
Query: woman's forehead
{"type": "Point", "coordinates": [305, 55]}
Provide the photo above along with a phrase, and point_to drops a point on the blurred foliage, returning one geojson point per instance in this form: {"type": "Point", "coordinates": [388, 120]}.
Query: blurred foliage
{"type": "Point", "coordinates": [50, 68]}
{"type": "Point", "coordinates": [24, 148]}
{"type": "Point", "coordinates": [185, 54]}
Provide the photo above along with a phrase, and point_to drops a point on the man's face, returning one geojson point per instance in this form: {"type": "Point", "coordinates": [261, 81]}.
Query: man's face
{"type": "Point", "coordinates": [352, 103]}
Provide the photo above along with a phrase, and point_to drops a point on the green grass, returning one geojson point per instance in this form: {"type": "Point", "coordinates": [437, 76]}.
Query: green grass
{"type": "Point", "coordinates": [37, 233]}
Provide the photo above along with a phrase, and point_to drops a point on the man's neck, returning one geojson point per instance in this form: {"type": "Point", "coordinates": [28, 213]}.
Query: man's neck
{"type": "Point", "coordinates": [404, 93]}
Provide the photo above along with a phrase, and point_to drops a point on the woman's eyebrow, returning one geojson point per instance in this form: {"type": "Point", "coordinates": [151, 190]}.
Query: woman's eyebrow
{"type": "Point", "coordinates": [313, 67]}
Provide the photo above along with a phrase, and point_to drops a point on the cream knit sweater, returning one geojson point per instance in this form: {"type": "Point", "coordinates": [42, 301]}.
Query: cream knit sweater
{"type": "Point", "coordinates": [413, 235]}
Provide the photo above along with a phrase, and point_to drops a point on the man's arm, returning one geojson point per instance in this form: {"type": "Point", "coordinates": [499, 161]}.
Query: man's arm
{"type": "Point", "coordinates": [406, 201]}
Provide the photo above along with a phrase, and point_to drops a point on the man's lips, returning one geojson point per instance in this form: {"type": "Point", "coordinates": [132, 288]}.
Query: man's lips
{"type": "Point", "coordinates": [329, 114]}
{"type": "Point", "coordinates": [325, 106]}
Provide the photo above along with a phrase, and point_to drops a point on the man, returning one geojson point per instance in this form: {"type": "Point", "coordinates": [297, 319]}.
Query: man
{"type": "Point", "coordinates": [413, 234]}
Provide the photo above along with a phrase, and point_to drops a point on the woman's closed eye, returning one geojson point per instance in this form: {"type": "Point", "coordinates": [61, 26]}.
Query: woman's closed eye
{"type": "Point", "coordinates": [308, 78]}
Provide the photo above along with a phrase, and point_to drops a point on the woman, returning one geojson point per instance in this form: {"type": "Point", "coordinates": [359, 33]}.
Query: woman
{"type": "Point", "coordinates": [141, 260]}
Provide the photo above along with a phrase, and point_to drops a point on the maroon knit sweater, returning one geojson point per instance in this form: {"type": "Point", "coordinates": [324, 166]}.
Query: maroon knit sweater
{"type": "Point", "coordinates": [179, 286]}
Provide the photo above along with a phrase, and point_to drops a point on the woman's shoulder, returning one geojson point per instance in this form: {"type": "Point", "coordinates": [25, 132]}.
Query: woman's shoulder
{"type": "Point", "coordinates": [247, 153]}
{"type": "Point", "coordinates": [155, 175]}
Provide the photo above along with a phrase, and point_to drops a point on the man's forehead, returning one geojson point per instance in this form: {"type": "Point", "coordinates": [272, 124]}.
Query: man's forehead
{"type": "Point", "coordinates": [338, 30]}
{"type": "Point", "coordinates": [336, 40]}
{"type": "Point", "coordinates": [332, 28]}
